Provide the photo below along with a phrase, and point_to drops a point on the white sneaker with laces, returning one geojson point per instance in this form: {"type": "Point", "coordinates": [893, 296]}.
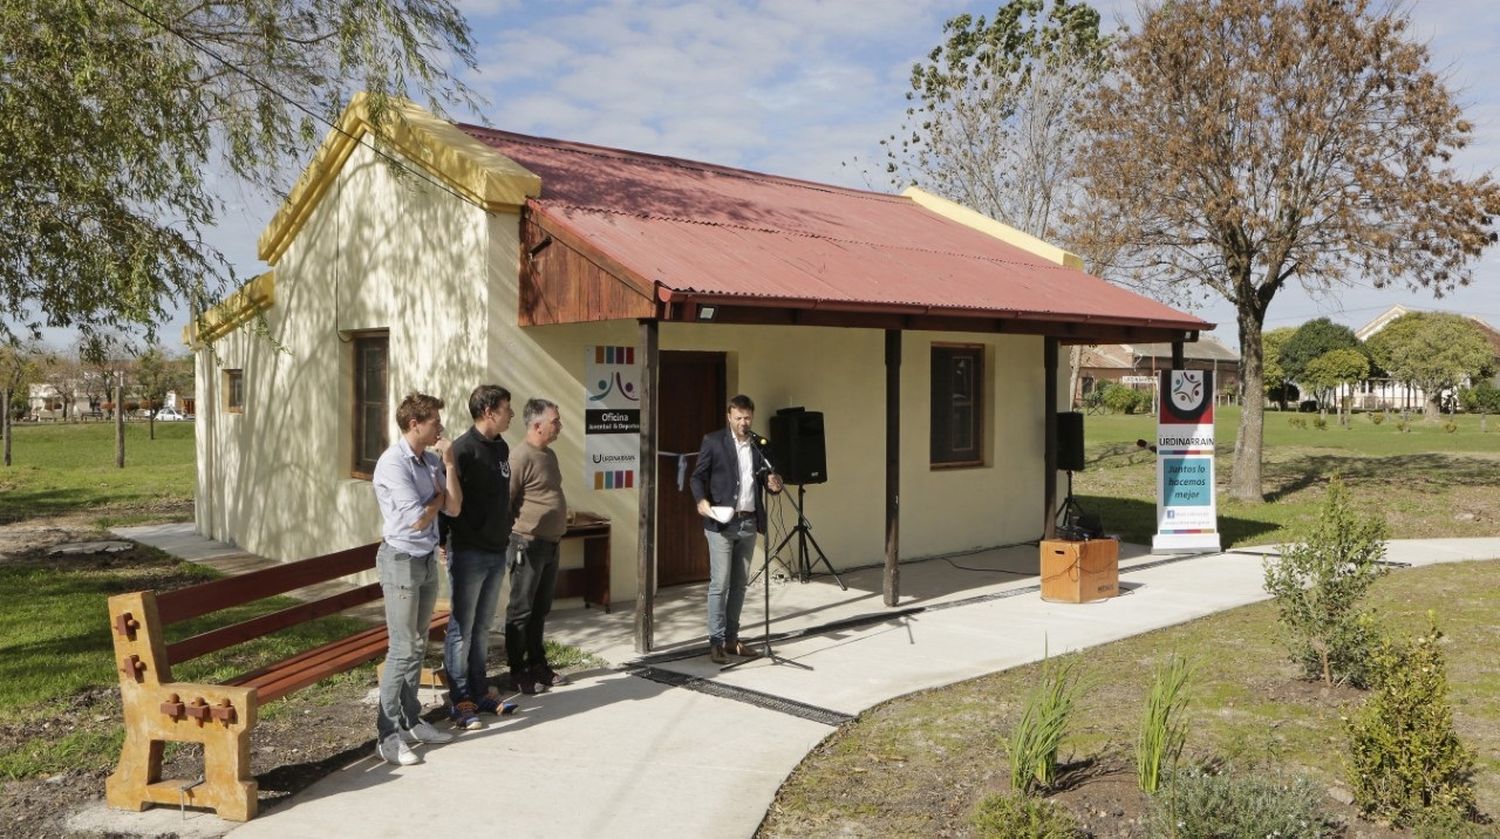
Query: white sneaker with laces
{"type": "Point", "coordinates": [392, 750]}
{"type": "Point", "coordinates": [423, 732]}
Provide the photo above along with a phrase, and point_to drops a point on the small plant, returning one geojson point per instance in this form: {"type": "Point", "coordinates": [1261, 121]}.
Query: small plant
{"type": "Point", "coordinates": [1377, 417]}
{"type": "Point", "coordinates": [1035, 740]}
{"type": "Point", "coordinates": [1002, 816]}
{"type": "Point", "coordinates": [1163, 730]}
{"type": "Point", "coordinates": [1448, 823]}
{"type": "Point", "coordinates": [1404, 756]}
{"type": "Point", "coordinates": [1198, 805]}
{"type": "Point", "coordinates": [1403, 426]}
{"type": "Point", "coordinates": [1450, 426]}
{"type": "Point", "coordinates": [1318, 584]}
{"type": "Point", "coordinates": [1296, 422]}
{"type": "Point", "coordinates": [1320, 422]}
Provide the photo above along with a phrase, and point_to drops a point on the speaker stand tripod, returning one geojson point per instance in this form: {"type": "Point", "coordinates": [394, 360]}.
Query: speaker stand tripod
{"type": "Point", "coordinates": [803, 533]}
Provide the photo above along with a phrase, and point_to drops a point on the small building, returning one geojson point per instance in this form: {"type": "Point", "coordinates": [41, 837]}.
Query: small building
{"type": "Point", "coordinates": [1137, 365]}
{"type": "Point", "coordinates": [1386, 394]}
{"type": "Point", "coordinates": [441, 256]}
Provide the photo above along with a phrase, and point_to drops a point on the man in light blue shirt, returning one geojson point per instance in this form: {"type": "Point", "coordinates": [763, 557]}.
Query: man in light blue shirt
{"type": "Point", "coordinates": [414, 481]}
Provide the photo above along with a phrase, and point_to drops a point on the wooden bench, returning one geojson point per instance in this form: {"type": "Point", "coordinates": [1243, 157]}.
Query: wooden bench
{"type": "Point", "coordinates": [221, 716]}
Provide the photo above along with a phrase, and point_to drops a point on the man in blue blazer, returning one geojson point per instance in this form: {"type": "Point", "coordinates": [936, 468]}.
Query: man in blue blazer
{"type": "Point", "coordinates": [727, 481]}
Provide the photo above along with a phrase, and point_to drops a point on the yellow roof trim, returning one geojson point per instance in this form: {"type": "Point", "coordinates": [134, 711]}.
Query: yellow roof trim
{"type": "Point", "coordinates": [969, 218]}
{"type": "Point", "coordinates": [479, 173]}
{"type": "Point", "coordinates": [251, 299]}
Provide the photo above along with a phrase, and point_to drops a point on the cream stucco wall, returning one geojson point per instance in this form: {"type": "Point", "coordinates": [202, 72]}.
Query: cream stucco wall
{"type": "Point", "coordinates": [399, 253]}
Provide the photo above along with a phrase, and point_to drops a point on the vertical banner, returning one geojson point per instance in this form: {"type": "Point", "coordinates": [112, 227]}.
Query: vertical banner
{"type": "Point", "coordinates": [1186, 513]}
{"type": "Point", "coordinates": [612, 417]}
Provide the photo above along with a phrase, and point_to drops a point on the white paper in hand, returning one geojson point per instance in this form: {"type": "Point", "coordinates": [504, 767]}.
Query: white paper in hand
{"type": "Point", "coordinates": [722, 515]}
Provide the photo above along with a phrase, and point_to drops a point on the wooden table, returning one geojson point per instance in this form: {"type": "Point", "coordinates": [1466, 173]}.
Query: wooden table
{"type": "Point", "coordinates": [591, 582]}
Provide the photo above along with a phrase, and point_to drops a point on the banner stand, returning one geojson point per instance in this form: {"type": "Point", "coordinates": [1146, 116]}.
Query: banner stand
{"type": "Point", "coordinates": [1186, 509]}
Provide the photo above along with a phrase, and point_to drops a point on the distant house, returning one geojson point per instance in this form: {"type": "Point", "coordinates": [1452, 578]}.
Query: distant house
{"type": "Point", "coordinates": [1136, 365]}
{"type": "Point", "coordinates": [929, 337]}
{"type": "Point", "coordinates": [1385, 394]}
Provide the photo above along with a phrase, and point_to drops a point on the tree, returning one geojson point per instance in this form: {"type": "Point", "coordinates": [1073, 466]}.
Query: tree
{"type": "Point", "coordinates": [19, 369]}
{"type": "Point", "coordinates": [1312, 340]}
{"type": "Point", "coordinates": [1335, 369]}
{"type": "Point", "coordinates": [115, 107]}
{"type": "Point", "coordinates": [1434, 351]}
{"type": "Point", "coordinates": [1482, 399]}
{"type": "Point", "coordinates": [1246, 144]}
{"type": "Point", "coordinates": [1276, 377]}
{"type": "Point", "coordinates": [156, 374]}
{"type": "Point", "coordinates": [992, 122]}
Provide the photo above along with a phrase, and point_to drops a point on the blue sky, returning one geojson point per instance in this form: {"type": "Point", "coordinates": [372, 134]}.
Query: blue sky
{"type": "Point", "coordinates": [806, 88]}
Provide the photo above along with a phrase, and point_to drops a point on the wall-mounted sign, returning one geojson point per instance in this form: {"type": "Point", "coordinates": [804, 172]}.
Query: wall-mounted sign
{"type": "Point", "coordinates": [611, 417]}
{"type": "Point", "coordinates": [1186, 512]}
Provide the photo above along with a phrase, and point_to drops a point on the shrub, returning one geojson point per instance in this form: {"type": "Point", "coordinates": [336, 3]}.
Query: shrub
{"type": "Point", "coordinates": [1450, 426]}
{"type": "Point", "coordinates": [1320, 422]}
{"type": "Point", "coordinates": [1163, 730]}
{"type": "Point", "coordinates": [1404, 756]}
{"type": "Point", "coordinates": [1318, 584]}
{"type": "Point", "coordinates": [1035, 740]}
{"type": "Point", "coordinates": [1403, 426]}
{"type": "Point", "coordinates": [1377, 417]}
{"type": "Point", "coordinates": [1122, 399]}
{"type": "Point", "coordinates": [1447, 823]}
{"type": "Point", "coordinates": [1296, 422]}
{"type": "Point", "coordinates": [1004, 816]}
{"type": "Point", "coordinates": [1197, 804]}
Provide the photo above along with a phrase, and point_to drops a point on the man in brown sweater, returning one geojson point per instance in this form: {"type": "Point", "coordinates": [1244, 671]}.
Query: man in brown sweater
{"type": "Point", "coordinates": [541, 517]}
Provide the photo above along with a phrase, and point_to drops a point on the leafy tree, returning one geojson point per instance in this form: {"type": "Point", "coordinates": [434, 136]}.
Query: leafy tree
{"type": "Point", "coordinates": [1433, 351]}
{"type": "Point", "coordinates": [1335, 368]}
{"type": "Point", "coordinates": [1482, 399]}
{"type": "Point", "coordinates": [1276, 376]}
{"type": "Point", "coordinates": [19, 369]}
{"type": "Point", "coordinates": [1246, 144]}
{"type": "Point", "coordinates": [115, 107]}
{"type": "Point", "coordinates": [1311, 340]}
{"type": "Point", "coordinates": [155, 375]}
{"type": "Point", "coordinates": [992, 122]}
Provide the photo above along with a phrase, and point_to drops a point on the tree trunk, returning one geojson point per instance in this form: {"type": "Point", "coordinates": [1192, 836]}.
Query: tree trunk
{"type": "Point", "coordinates": [1244, 484]}
{"type": "Point", "coordinates": [119, 426]}
{"type": "Point", "coordinates": [5, 419]}
{"type": "Point", "coordinates": [1432, 411]}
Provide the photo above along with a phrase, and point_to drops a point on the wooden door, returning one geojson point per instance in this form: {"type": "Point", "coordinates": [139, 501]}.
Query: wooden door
{"type": "Point", "coordinates": [692, 404]}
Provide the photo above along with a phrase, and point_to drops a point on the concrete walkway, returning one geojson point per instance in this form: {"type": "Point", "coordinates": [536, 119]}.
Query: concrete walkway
{"type": "Point", "coordinates": [671, 746]}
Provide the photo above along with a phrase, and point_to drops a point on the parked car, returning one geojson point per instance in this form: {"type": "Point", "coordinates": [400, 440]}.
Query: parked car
{"type": "Point", "coordinates": [171, 415]}
{"type": "Point", "coordinates": [1308, 406]}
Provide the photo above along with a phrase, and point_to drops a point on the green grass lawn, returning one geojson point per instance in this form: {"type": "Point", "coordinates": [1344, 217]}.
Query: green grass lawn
{"type": "Point", "coordinates": [1428, 482]}
{"type": "Point", "coordinates": [917, 765]}
{"type": "Point", "coordinates": [59, 468]}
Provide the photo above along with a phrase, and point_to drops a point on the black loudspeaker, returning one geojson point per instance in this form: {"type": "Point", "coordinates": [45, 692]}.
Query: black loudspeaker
{"type": "Point", "coordinates": [797, 446]}
{"type": "Point", "coordinates": [1070, 441]}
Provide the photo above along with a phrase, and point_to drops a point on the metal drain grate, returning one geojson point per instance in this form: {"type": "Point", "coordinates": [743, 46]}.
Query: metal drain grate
{"type": "Point", "coordinates": [739, 694]}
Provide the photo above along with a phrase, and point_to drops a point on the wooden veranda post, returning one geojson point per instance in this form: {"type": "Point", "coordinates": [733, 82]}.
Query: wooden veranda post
{"type": "Point", "coordinates": [645, 574]}
{"type": "Point", "coordinates": [1049, 446]}
{"type": "Point", "coordinates": [1177, 356]}
{"type": "Point", "coordinates": [892, 466]}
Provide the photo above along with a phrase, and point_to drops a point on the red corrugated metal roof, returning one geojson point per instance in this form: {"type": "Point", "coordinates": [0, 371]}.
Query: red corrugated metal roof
{"type": "Point", "coordinates": [700, 229]}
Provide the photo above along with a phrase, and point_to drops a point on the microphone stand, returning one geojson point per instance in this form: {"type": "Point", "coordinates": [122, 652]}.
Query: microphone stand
{"type": "Point", "coordinates": [766, 651]}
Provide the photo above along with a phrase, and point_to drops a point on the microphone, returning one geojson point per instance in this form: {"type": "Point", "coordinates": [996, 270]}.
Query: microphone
{"type": "Point", "coordinates": [762, 444]}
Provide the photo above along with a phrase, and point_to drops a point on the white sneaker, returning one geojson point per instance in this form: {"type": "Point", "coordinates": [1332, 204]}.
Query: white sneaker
{"type": "Point", "coordinates": [392, 750]}
{"type": "Point", "coordinates": [423, 732]}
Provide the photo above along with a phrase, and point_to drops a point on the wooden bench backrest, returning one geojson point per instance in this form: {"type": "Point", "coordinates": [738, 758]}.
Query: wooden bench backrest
{"type": "Point", "coordinates": [205, 598]}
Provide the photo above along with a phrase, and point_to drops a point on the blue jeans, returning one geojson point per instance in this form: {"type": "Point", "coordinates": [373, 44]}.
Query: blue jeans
{"type": "Point", "coordinates": [474, 575]}
{"type": "Point", "coordinates": [729, 552]}
{"type": "Point", "coordinates": [533, 576]}
{"type": "Point", "coordinates": [410, 585]}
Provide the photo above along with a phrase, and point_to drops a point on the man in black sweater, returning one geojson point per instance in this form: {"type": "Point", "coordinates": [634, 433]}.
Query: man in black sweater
{"type": "Point", "coordinates": [476, 555]}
